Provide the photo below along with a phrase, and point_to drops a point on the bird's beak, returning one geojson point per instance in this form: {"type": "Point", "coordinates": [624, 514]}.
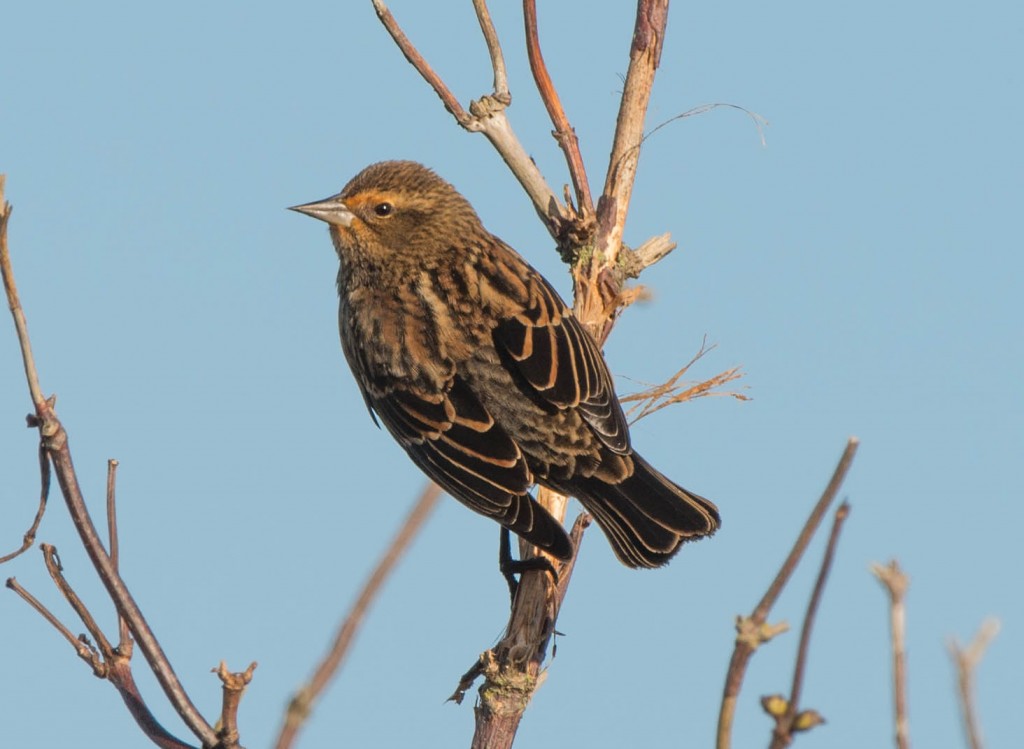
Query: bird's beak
{"type": "Point", "coordinates": [331, 210]}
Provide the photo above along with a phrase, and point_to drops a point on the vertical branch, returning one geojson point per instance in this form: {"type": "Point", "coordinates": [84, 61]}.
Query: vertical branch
{"type": "Point", "coordinates": [564, 133]}
{"type": "Point", "coordinates": [966, 661]}
{"type": "Point", "coordinates": [793, 719]}
{"type": "Point", "coordinates": [124, 644]}
{"type": "Point", "coordinates": [896, 582]}
{"type": "Point", "coordinates": [233, 686]}
{"type": "Point", "coordinates": [512, 669]}
{"type": "Point", "coordinates": [112, 511]}
{"type": "Point", "coordinates": [644, 58]}
{"type": "Point", "coordinates": [483, 15]}
{"type": "Point", "coordinates": [812, 606]}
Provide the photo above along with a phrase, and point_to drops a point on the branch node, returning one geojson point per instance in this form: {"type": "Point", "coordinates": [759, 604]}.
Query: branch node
{"type": "Point", "coordinates": [487, 106]}
{"type": "Point", "coordinates": [754, 633]}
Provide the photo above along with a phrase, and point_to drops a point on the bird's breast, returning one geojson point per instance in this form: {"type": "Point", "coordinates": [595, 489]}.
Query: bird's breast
{"type": "Point", "coordinates": [397, 336]}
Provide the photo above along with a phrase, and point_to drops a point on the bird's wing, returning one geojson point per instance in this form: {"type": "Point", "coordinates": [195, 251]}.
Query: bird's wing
{"type": "Point", "coordinates": [453, 439]}
{"type": "Point", "coordinates": [559, 359]}
{"type": "Point", "coordinates": [456, 442]}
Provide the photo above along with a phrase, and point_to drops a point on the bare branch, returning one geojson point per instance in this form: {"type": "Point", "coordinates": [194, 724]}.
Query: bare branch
{"type": "Point", "coordinates": [112, 511]}
{"type": "Point", "coordinates": [53, 566]}
{"type": "Point", "coordinates": [487, 115]}
{"type": "Point", "coordinates": [11, 289]}
{"type": "Point", "coordinates": [301, 705]}
{"type": "Point", "coordinates": [896, 582]}
{"type": "Point", "coordinates": [125, 644]}
{"type": "Point", "coordinates": [83, 651]}
{"type": "Point", "coordinates": [119, 673]}
{"type": "Point", "coordinates": [966, 661]}
{"type": "Point", "coordinates": [752, 630]}
{"type": "Point", "coordinates": [233, 687]}
{"type": "Point", "coordinates": [115, 667]}
{"type": "Point", "coordinates": [29, 537]}
{"type": "Point", "coordinates": [512, 668]}
{"type": "Point", "coordinates": [423, 67]}
{"type": "Point", "coordinates": [55, 441]}
{"type": "Point", "coordinates": [564, 132]}
{"type": "Point", "coordinates": [644, 58]}
{"type": "Point", "coordinates": [793, 719]}
{"type": "Point", "coordinates": [483, 15]}
{"type": "Point", "coordinates": [670, 392]}
{"type": "Point", "coordinates": [650, 252]}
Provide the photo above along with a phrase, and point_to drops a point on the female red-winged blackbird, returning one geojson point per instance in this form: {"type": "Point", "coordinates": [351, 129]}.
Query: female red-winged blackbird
{"type": "Point", "coordinates": [480, 371]}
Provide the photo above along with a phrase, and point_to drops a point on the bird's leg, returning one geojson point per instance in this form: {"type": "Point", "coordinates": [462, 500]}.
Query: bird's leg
{"type": "Point", "coordinates": [511, 567]}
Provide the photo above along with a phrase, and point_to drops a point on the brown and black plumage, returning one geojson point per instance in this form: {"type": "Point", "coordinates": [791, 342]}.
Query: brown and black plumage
{"type": "Point", "coordinates": [480, 371]}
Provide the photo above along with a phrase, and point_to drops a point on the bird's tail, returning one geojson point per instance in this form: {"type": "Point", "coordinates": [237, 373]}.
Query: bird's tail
{"type": "Point", "coordinates": [646, 517]}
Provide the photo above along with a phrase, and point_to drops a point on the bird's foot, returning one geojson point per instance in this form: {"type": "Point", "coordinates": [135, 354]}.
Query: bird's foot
{"type": "Point", "coordinates": [510, 567]}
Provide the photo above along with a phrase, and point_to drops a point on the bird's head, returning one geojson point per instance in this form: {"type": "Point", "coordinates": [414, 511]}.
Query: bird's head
{"type": "Point", "coordinates": [395, 209]}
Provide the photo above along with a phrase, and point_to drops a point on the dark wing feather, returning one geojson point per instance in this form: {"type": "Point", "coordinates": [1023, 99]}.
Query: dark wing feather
{"type": "Point", "coordinates": [560, 361]}
{"type": "Point", "coordinates": [453, 439]}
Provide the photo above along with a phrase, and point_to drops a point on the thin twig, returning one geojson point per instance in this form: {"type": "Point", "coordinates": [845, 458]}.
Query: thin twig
{"type": "Point", "coordinates": [84, 651]}
{"type": "Point", "coordinates": [54, 440]}
{"type": "Point", "coordinates": [670, 392]}
{"type": "Point", "coordinates": [301, 705]}
{"type": "Point", "coordinates": [29, 536]}
{"type": "Point", "coordinates": [793, 719]}
{"type": "Point", "coordinates": [483, 15]}
{"type": "Point", "coordinates": [487, 115]}
{"type": "Point", "coordinates": [117, 671]}
{"type": "Point", "coordinates": [112, 511]}
{"type": "Point", "coordinates": [56, 570]}
{"type": "Point", "coordinates": [759, 122]}
{"type": "Point", "coordinates": [754, 630]}
{"type": "Point", "coordinates": [11, 289]}
{"type": "Point", "coordinates": [896, 582]}
{"type": "Point", "coordinates": [112, 664]}
{"type": "Point", "coordinates": [812, 606]}
{"type": "Point", "coordinates": [966, 661]}
{"type": "Point", "coordinates": [564, 132]}
{"type": "Point", "coordinates": [451, 103]}
{"type": "Point", "coordinates": [124, 644]}
{"type": "Point", "coordinates": [233, 687]}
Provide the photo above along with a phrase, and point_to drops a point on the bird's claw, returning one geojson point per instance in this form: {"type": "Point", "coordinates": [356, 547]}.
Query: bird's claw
{"type": "Point", "coordinates": [510, 567]}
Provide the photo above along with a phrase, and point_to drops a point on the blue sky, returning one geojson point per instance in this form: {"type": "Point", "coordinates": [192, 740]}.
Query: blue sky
{"type": "Point", "coordinates": [863, 267]}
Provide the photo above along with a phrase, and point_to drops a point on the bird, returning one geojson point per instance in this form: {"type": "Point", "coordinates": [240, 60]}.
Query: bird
{"type": "Point", "coordinates": [476, 366]}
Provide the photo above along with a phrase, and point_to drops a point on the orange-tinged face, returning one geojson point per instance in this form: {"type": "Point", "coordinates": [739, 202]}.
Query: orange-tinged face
{"type": "Point", "coordinates": [396, 210]}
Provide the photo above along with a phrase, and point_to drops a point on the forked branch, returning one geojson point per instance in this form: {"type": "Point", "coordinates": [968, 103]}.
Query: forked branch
{"type": "Point", "coordinates": [966, 661]}
{"type": "Point", "coordinates": [792, 719]}
{"type": "Point", "coordinates": [753, 631]}
{"type": "Point", "coordinates": [487, 115]}
{"type": "Point", "coordinates": [54, 440]}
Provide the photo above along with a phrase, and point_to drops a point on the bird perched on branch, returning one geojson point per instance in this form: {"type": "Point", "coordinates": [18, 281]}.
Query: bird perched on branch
{"type": "Point", "coordinates": [479, 370]}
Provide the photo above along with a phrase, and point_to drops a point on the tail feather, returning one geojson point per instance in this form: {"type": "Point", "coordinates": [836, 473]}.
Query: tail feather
{"type": "Point", "coordinates": [646, 517]}
{"type": "Point", "coordinates": [532, 522]}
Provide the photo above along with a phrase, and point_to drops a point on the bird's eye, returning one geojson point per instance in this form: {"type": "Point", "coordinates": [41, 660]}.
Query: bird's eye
{"type": "Point", "coordinates": [383, 209]}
